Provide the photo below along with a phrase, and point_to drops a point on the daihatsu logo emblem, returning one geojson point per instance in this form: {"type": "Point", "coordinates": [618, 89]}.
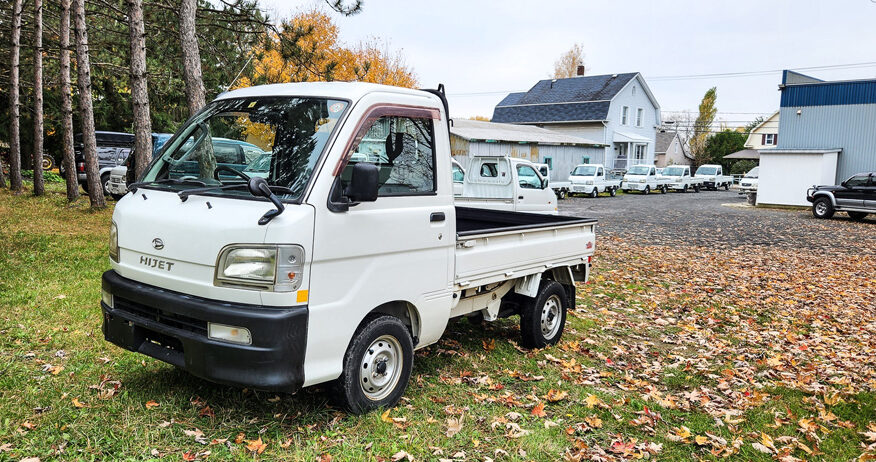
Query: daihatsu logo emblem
{"type": "Point", "coordinates": [157, 243]}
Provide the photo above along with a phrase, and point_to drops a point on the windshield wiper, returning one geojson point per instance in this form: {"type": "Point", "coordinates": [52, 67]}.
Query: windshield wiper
{"type": "Point", "coordinates": [133, 186]}
{"type": "Point", "coordinates": [257, 186]}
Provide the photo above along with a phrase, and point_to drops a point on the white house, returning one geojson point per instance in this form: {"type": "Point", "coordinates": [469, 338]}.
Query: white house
{"type": "Point", "coordinates": [616, 110]}
{"type": "Point", "coordinates": [765, 135]}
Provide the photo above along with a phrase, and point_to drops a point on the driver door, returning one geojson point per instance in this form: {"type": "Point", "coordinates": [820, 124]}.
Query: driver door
{"type": "Point", "coordinates": [530, 193]}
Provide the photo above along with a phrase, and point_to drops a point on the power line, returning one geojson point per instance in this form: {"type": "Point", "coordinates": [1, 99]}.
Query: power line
{"type": "Point", "coordinates": [702, 76]}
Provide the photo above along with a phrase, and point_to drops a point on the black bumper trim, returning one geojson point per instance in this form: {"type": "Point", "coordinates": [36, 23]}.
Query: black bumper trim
{"type": "Point", "coordinates": [274, 361]}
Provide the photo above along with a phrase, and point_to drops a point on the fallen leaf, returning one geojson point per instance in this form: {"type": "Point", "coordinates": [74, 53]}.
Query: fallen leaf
{"type": "Point", "coordinates": [76, 403]}
{"type": "Point", "coordinates": [538, 410]}
{"type": "Point", "coordinates": [151, 404]}
{"type": "Point", "coordinates": [256, 446]}
{"type": "Point", "coordinates": [453, 426]}
{"type": "Point", "coordinates": [555, 395]}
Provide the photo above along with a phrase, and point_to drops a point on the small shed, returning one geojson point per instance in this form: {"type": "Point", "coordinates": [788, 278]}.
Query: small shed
{"type": "Point", "coordinates": [562, 152]}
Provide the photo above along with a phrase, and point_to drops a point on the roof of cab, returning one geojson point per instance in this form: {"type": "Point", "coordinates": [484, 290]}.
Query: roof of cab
{"type": "Point", "coordinates": [341, 90]}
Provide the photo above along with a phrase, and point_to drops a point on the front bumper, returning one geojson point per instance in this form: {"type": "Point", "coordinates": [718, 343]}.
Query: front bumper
{"type": "Point", "coordinates": [582, 188]}
{"type": "Point", "coordinates": [709, 184]}
{"type": "Point", "coordinates": [627, 185]}
{"type": "Point", "coordinates": [116, 186]}
{"type": "Point", "coordinates": [172, 327]}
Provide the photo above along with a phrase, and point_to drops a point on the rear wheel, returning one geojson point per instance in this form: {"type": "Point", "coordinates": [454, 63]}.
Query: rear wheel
{"type": "Point", "coordinates": [696, 188]}
{"type": "Point", "coordinates": [857, 215]}
{"type": "Point", "coordinates": [542, 320]}
{"type": "Point", "coordinates": [561, 194]}
{"type": "Point", "coordinates": [377, 366]}
{"type": "Point", "coordinates": [726, 186]}
{"type": "Point", "coordinates": [822, 208]}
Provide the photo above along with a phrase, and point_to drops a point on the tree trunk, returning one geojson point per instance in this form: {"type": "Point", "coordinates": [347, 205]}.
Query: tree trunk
{"type": "Point", "coordinates": [14, 130]}
{"type": "Point", "coordinates": [191, 55]}
{"type": "Point", "coordinates": [38, 186]}
{"type": "Point", "coordinates": [86, 108]}
{"type": "Point", "coordinates": [67, 105]}
{"type": "Point", "coordinates": [139, 88]}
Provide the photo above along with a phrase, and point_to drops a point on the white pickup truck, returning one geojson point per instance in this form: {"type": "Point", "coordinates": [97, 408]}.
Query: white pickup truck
{"type": "Point", "coordinates": [324, 268]}
{"type": "Point", "coordinates": [560, 188]}
{"type": "Point", "coordinates": [506, 183]}
{"type": "Point", "coordinates": [680, 178]}
{"type": "Point", "coordinates": [590, 179]}
{"type": "Point", "coordinates": [644, 178]}
{"type": "Point", "coordinates": [713, 177]}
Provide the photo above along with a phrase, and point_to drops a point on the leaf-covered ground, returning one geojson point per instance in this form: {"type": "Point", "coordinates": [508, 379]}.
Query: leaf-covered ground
{"type": "Point", "coordinates": [675, 352]}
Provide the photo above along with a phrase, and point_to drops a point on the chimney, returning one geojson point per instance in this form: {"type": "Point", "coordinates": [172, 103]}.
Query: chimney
{"type": "Point", "coordinates": [581, 70]}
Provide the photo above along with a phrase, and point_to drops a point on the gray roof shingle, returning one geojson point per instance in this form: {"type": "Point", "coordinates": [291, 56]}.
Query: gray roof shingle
{"type": "Point", "coordinates": [562, 100]}
{"type": "Point", "coordinates": [664, 139]}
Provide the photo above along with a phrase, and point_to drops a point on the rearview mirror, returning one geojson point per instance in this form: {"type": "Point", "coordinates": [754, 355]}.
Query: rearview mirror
{"type": "Point", "coordinates": [363, 183]}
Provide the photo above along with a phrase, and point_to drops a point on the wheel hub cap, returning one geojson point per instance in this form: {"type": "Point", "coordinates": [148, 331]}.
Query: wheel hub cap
{"type": "Point", "coordinates": [381, 367]}
{"type": "Point", "coordinates": [550, 317]}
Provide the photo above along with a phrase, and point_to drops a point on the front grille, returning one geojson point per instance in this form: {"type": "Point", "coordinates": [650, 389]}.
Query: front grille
{"type": "Point", "coordinates": [167, 318]}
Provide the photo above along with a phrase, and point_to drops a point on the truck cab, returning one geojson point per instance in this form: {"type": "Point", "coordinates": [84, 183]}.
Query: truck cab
{"type": "Point", "coordinates": [644, 178]}
{"type": "Point", "coordinates": [713, 177]}
{"type": "Point", "coordinates": [591, 179]}
{"type": "Point", "coordinates": [506, 183]}
{"type": "Point", "coordinates": [680, 178]}
{"type": "Point", "coordinates": [335, 262]}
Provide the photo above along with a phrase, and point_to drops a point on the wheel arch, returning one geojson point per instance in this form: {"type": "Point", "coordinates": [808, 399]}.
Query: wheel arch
{"type": "Point", "coordinates": [405, 311]}
{"type": "Point", "coordinates": [827, 194]}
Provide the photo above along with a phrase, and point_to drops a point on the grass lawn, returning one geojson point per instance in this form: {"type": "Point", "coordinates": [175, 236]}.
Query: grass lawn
{"type": "Point", "coordinates": [672, 353]}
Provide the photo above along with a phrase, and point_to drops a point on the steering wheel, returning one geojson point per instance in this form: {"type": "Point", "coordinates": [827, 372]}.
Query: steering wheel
{"type": "Point", "coordinates": [230, 169]}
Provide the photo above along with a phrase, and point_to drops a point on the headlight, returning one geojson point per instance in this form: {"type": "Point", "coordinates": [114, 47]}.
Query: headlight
{"type": "Point", "coordinates": [711, 178]}
{"type": "Point", "coordinates": [277, 268]}
{"type": "Point", "coordinates": [114, 243]}
{"type": "Point", "coordinates": [588, 182]}
{"type": "Point", "coordinates": [643, 180]}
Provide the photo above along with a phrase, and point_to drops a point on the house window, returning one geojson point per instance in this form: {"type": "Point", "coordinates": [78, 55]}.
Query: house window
{"type": "Point", "coordinates": [585, 159]}
{"type": "Point", "coordinates": [625, 115]}
{"type": "Point", "coordinates": [640, 116]}
{"type": "Point", "coordinates": [634, 90]}
{"type": "Point", "coordinates": [676, 148]}
{"type": "Point", "coordinates": [640, 152]}
{"type": "Point", "coordinates": [550, 162]}
{"type": "Point", "coordinates": [769, 139]}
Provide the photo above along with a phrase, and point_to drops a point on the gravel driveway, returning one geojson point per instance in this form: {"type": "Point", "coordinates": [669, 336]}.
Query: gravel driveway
{"type": "Point", "coordinates": [721, 219]}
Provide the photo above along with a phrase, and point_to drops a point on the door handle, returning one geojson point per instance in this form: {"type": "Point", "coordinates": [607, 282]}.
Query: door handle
{"type": "Point", "coordinates": [436, 216]}
{"type": "Point", "coordinates": [520, 197]}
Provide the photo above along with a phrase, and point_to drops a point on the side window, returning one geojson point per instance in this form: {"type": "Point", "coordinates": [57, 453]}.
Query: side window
{"type": "Point", "coordinates": [858, 180]}
{"type": "Point", "coordinates": [227, 153]}
{"type": "Point", "coordinates": [403, 150]}
{"type": "Point", "coordinates": [653, 172]}
{"type": "Point", "coordinates": [527, 177]}
{"type": "Point", "coordinates": [458, 174]}
{"type": "Point", "coordinates": [599, 172]}
{"type": "Point", "coordinates": [489, 170]}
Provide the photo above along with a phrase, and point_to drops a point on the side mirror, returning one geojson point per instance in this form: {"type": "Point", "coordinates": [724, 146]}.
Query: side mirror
{"type": "Point", "coordinates": [363, 183]}
{"type": "Point", "coordinates": [544, 183]}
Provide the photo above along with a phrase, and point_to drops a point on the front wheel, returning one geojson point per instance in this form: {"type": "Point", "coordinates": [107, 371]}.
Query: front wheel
{"type": "Point", "coordinates": [647, 190]}
{"type": "Point", "coordinates": [542, 320]}
{"type": "Point", "coordinates": [663, 189]}
{"type": "Point", "coordinates": [857, 216]}
{"type": "Point", "coordinates": [696, 188]}
{"type": "Point", "coordinates": [377, 366]}
{"type": "Point", "coordinates": [822, 208]}
{"type": "Point", "coordinates": [685, 188]}
{"type": "Point", "coordinates": [612, 192]}
{"type": "Point", "coordinates": [726, 186]}
{"type": "Point", "coordinates": [595, 192]}
{"type": "Point", "coordinates": [48, 163]}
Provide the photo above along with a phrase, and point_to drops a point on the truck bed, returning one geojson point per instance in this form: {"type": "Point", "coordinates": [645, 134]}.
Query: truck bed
{"type": "Point", "coordinates": [494, 245]}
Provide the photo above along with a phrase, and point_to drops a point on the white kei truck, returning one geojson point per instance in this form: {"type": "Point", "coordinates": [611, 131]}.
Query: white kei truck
{"type": "Point", "coordinates": [592, 179]}
{"type": "Point", "coordinates": [644, 178]}
{"type": "Point", "coordinates": [324, 268]}
{"type": "Point", "coordinates": [680, 178]}
{"type": "Point", "coordinates": [713, 177]}
{"type": "Point", "coordinates": [506, 183]}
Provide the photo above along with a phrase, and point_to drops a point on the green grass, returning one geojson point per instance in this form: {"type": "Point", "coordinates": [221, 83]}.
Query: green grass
{"type": "Point", "coordinates": [51, 259]}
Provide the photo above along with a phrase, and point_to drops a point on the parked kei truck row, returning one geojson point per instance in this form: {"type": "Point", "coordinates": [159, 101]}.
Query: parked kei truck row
{"type": "Point", "coordinates": [337, 260]}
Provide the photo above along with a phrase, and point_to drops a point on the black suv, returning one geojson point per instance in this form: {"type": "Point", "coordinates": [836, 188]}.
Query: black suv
{"type": "Point", "coordinates": [855, 196]}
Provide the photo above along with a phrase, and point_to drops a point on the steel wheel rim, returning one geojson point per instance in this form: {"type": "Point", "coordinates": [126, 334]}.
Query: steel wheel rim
{"type": "Point", "coordinates": [550, 316]}
{"type": "Point", "coordinates": [380, 368]}
{"type": "Point", "coordinates": [820, 208]}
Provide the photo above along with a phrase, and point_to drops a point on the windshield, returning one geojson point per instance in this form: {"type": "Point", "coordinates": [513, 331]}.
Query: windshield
{"type": "Point", "coordinates": [277, 138]}
{"type": "Point", "coordinates": [673, 171]}
{"type": "Point", "coordinates": [706, 170]}
{"type": "Point", "coordinates": [639, 170]}
{"type": "Point", "coordinates": [752, 173]}
{"type": "Point", "coordinates": [584, 170]}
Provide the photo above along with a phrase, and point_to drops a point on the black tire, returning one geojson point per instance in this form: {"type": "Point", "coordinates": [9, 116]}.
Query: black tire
{"type": "Point", "coordinates": [822, 208]}
{"type": "Point", "coordinates": [726, 186]}
{"type": "Point", "coordinates": [542, 319]}
{"type": "Point", "coordinates": [562, 194]}
{"type": "Point", "coordinates": [663, 189]}
{"type": "Point", "coordinates": [595, 192]}
{"type": "Point", "coordinates": [612, 192]}
{"type": "Point", "coordinates": [696, 188]}
{"type": "Point", "coordinates": [647, 190]}
{"type": "Point", "coordinates": [348, 390]}
{"type": "Point", "coordinates": [857, 216]}
{"type": "Point", "coordinates": [104, 182]}
{"type": "Point", "coordinates": [685, 188]}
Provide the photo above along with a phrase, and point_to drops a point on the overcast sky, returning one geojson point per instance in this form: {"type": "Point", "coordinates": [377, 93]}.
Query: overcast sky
{"type": "Point", "coordinates": [481, 50]}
